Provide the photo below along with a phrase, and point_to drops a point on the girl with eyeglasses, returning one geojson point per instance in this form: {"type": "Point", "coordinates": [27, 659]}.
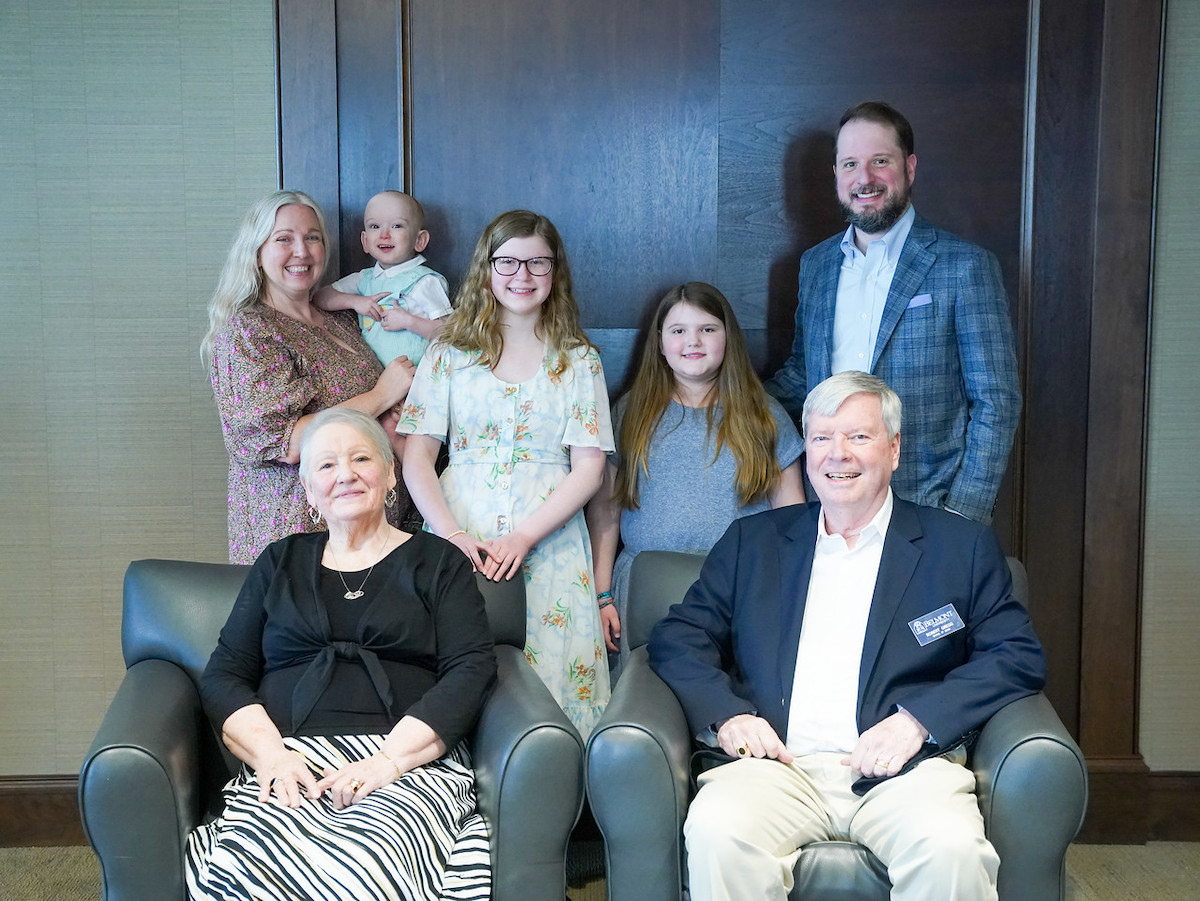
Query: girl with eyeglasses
{"type": "Point", "coordinates": [700, 444]}
{"type": "Point", "coordinates": [516, 391]}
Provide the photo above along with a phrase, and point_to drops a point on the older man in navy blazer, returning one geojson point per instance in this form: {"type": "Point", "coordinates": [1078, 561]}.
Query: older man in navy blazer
{"type": "Point", "coordinates": [842, 655]}
{"type": "Point", "coordinates": [923, 310]}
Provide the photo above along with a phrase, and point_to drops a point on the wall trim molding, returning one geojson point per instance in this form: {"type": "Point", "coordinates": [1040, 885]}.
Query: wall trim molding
{"type": "Point", "coordinates": [1117, 812]}
{"type": "Point", "coordinates": [1127, 806]}
{"type": "Point", "coordinates": [39, 811]}
{"type": "Point", "coordinates": [1174, 807]}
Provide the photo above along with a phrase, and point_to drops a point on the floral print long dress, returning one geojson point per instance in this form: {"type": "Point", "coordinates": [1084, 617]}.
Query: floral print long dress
{"type": "Point", "coordinates": [268, 370]}
{"type": "Point", "coordinates": [509, 447]}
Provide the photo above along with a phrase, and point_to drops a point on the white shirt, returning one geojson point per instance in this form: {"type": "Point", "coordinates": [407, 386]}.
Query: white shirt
{"type": "Point", "coordinates": [863, 286]}
{"type": "Point", "coordinates": [824, 709]}
{"type": "Point", "coordinates": [427, 298]}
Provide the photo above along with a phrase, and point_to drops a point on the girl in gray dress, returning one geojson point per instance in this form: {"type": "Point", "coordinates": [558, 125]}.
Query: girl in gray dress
{"type": "Point", "coordinates": [699, 444]}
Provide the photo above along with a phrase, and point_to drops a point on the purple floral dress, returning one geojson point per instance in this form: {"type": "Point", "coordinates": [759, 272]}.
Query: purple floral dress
{"type": "Point", "coordinates": [267, 371]}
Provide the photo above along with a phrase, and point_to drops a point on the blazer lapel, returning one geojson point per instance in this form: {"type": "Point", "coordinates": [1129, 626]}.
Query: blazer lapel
{"type": "Point", "coordinates": [896, 567]}
{"type": "Point", "coordinates": [820, 367]}
{"type": "Point", "coordinates": [795, 572]}
{"type": "Point", "coordinates": [916, 259]}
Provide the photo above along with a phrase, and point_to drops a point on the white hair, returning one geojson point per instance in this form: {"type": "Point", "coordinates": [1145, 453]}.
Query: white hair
{"type": "Point", "coordinates": [827, 398]}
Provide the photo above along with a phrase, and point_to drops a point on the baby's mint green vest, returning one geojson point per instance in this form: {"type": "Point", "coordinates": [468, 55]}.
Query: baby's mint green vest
{"type": "Point", "coordinates": [389, 345]}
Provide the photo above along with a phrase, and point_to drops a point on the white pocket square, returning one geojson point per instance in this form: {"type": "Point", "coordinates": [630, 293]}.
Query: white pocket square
{"type": "Point", "coordinates": [920, 300]}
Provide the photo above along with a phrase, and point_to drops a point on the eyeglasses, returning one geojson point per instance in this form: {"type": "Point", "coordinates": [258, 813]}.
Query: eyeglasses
{"type": "Point", "coordinates": [511, 265]}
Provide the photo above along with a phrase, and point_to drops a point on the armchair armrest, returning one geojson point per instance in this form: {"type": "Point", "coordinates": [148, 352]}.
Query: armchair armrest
{"type": "Point", "coordinates": [528, 761]}
{"type": "Point", "coordinates": [140, 787]}
{"type": "Point", "coordinates": [638, 784]}
{"type": "Point", "coordinates": [1032, 786]}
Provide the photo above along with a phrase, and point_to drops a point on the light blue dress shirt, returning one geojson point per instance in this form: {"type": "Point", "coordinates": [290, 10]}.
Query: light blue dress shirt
{"type": "Point", "coordinates": [862, 291]}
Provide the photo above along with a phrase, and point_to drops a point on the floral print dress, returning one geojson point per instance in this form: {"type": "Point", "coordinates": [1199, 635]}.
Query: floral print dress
{"type": "Point", "coordinates": [509, 447]}
{"type": "Point", "coordinates": [268, 370]}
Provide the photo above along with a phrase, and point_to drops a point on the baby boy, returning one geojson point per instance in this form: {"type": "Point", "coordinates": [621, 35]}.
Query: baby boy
{"type": "Point", "coordinates": [416, 303]}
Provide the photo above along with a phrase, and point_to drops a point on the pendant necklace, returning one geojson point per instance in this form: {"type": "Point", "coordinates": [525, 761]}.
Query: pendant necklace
{"type": "Point", "coordinates": [355, 595]}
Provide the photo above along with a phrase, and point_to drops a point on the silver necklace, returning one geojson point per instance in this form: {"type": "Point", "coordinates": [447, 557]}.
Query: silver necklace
{"type": "Point", "coordinates": [355, 595]}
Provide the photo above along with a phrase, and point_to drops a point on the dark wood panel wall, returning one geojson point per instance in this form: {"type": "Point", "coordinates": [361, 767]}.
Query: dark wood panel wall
{"type": "Point", "coordinates": [693, 140]}
{"type": "Point", "coordinates": [602, 116]}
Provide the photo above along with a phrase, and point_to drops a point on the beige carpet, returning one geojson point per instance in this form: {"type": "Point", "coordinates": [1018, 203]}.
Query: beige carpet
{"type": "Point", "coordinates": [49, 874]}
{"type": "Point", "coordinates": [1159, 871]}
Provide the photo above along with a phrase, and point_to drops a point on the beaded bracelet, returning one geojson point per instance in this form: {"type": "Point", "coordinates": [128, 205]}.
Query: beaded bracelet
{"type": "Point", "coordinates": [456, 532]}
{"type": "Point", "coordinates": [605, 598]}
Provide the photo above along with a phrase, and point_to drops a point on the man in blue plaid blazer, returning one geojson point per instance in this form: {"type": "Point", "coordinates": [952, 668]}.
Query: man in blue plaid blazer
{"type": "Point", "coordinates": [917, 307]}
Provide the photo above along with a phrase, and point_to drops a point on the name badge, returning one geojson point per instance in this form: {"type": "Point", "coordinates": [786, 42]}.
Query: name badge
{"type": "Point", "coordinates": [935, 625]}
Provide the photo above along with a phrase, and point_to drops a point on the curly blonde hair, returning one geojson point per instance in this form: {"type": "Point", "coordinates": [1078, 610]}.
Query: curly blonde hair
{"type": "Point", "coordinates": [242, 282]}
{"type": "Point", "coordinates": [475, 323]}
{"type": "Point", "coordinates": [746, 423]}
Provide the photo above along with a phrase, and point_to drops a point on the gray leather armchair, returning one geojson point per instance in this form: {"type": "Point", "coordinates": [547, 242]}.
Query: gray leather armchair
{"type": "Point", "coordinates": [1030, 778]}
{"type": "Point", "coordinates": [156, 767]}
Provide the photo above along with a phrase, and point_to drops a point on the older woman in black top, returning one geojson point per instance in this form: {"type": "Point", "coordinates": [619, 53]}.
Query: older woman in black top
{"type": "Point", "coordinates": [352, 665]}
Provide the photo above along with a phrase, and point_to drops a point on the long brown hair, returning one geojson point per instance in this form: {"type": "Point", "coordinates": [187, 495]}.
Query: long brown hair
{"type": "Point", "coordinates": [475, 323]}
{"type": "Point", "coordinates": [746, 423]}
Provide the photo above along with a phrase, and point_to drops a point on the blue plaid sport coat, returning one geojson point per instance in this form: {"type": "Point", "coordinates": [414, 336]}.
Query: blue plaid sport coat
{"type": "Point", "coordinates": [945, 346]}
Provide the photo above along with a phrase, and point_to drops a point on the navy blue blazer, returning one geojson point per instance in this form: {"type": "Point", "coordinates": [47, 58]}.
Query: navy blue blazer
{"type": "Point", "coordinates": [945, 345]}
{"type": "Point", "coordinates": [730, 646]}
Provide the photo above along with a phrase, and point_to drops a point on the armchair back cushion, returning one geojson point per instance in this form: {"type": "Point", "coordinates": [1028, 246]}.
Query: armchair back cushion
{"type": "Point", "coordinates": [174, 611]}
{"type": "Point", "coordinates": [657, 580]}
{"type": "Point", "coordinates": [170, 611]}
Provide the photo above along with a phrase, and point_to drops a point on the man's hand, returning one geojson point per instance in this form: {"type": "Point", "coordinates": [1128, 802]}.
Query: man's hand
{"type": "Point", "coordinates": [884, 748]}
{"type": "Point", "coordinates": [747, 735]}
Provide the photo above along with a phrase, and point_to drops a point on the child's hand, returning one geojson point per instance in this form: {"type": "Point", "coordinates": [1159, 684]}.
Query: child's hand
{"type": "Point", "coordinates": [397, 320]}
{"type": "Point", "coordinates": [470, 546]}
{"type": "Point", "coordinates": [505, 555]}
{"type": "Point", "coordinates": [610, 625]}
{"type": "Point", "coordinates": [369, 306]}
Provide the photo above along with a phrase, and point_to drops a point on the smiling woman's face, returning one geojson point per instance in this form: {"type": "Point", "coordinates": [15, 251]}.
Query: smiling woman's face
{"type": "Point", "coordinates": [345, 477]}
{"type": "Point", "coordinates": [293, 256]}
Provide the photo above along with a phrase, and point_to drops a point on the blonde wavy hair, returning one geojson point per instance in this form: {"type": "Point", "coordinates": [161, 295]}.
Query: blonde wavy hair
{"type": "Point", "coordinates": [242, 283]}
{"type": "Point", "coordinates": [475, 323]}
{"type": "Point", "coordinates": [746, 424]}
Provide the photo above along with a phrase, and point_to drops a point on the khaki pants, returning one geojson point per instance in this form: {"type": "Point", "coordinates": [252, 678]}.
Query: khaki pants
{"type": "Point", "coordinates": [751, 819]}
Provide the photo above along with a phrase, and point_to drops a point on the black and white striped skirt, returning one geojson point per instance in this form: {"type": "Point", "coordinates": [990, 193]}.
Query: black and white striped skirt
{"type": "Point", "coordinates": [418, 839]}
